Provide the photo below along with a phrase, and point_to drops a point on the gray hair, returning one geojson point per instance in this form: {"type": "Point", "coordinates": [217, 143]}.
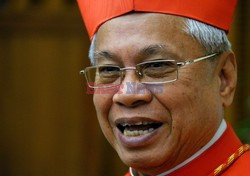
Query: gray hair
{"type": "Point", "coordinates": [92, 51]}
{"type": "Point", "coordinates": [214, 40]}
{"type": "Point", "coordinates": [211, 38]}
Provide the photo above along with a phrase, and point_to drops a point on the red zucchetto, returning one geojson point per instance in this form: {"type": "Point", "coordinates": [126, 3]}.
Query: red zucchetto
{"type": "Point", "coordinates": [217, 13]}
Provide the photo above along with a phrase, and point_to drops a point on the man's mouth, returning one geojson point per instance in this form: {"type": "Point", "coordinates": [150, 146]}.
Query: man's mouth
{"type": "Point", "coordinates": [138, 128]}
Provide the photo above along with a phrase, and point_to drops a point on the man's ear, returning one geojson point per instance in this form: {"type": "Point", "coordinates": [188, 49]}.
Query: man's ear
{"type": "Point", "coordinates": [227, 75]}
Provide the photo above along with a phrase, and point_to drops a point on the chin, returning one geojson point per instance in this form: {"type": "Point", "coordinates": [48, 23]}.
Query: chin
{"type": "Point", "coordinates": [144, 162]}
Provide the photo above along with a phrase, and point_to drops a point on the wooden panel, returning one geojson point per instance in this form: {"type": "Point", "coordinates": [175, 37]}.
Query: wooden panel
{"type": "Point", "coordinates": [48, 124]}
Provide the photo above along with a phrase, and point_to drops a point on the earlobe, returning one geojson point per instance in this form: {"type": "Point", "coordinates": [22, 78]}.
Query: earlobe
{"type": "Point", "coordinates": [227, 77]}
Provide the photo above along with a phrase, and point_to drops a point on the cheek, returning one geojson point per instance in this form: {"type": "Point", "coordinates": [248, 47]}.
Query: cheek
{"type": "Point", "coordinates": [182, 99]}
{"type": "Point", "coordinates": [177, 96]}
{"type": "Point", "coordinates": [192, 104]}
{"type": "Point", "coordinates": [102, 103]}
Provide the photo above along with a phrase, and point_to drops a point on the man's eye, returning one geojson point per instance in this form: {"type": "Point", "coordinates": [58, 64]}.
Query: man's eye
{"type": "Point", "coordinates": [156, 65]}
{"type": "Point", "coordinates": [159, 69]}
{"type": "Point", "coordinates": [107, 74]}
{"type": "Point", "coordinates": [159, 65]}
{"type": "Point", "coordinates": [108, 70]}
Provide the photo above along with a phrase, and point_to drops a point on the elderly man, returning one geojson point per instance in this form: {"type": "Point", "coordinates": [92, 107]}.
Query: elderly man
{"type": "Point", "coordinates": [163, 72]}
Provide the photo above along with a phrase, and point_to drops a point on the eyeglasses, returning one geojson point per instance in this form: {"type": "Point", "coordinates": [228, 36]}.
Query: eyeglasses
{"type": "Point", "coordinates": [149, 72]}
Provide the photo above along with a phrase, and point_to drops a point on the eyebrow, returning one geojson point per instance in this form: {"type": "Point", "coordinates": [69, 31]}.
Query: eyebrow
{"type": "Point", "coordinates": [147, 51]}
{"type": "Point", "coordinates": [151, 50]}
{"type": "Point", "coordinates": [105, 54]}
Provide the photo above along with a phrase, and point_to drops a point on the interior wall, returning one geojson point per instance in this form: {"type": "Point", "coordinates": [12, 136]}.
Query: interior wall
{"type": "Point", "coordinates": [48, 125]}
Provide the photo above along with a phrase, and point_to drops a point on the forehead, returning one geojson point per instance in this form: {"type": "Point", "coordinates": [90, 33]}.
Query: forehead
{"type": "Point", "coordinates": [127, 34]}
{"type": "Point", "coordinates": [141, 22]}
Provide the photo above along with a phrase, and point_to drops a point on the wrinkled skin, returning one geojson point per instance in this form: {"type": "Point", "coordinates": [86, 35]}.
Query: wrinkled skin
{"type": "Point", "coordinates": [191, 108]}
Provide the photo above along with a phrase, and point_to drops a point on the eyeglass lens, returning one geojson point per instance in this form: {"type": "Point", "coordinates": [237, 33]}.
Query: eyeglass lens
{"type": "Point", "coordinates": [152, 71]}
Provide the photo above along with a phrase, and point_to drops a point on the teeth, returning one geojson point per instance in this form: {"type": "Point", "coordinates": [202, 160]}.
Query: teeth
{"type": "Point", "coordinates": [147, 123]}
{"type": "Point", "coordinates": [137, 132]}
{"type": "Point", "coordinates": [151, 129]}
{"type": "Point", "coordinates": [130, 133]}
{"type": "Point", "coordinates": [125, 124]}
{"type": "Point", "coordinates": [137, 123]}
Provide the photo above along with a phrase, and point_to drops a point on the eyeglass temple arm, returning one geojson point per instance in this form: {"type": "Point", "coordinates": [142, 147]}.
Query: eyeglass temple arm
{"type": "Point", "coordinates": [180, 64]}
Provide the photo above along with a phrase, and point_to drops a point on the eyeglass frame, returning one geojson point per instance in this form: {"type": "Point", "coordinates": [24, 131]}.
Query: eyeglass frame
{"type": "Point", "coordinates": [123, 69]}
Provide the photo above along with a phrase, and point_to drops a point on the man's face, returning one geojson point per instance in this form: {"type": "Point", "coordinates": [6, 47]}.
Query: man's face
{"type": "Point", "coordinates": [176, 122]}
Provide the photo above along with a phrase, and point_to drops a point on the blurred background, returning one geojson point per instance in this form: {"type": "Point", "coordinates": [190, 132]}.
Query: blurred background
{"type": "Point", "coordinates": [48, 125]}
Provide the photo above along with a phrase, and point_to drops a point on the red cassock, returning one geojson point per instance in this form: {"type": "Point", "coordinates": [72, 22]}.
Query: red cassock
{"type": "Point", "coordinates": [226, 157]}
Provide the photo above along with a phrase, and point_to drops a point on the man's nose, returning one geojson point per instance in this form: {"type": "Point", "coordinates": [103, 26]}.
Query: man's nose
{"type": "Point", "coordinates": [132, 93]}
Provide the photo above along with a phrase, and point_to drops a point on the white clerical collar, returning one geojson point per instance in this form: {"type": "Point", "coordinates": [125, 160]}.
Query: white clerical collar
{"type": "Point", "coordinates": [217, 135]}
